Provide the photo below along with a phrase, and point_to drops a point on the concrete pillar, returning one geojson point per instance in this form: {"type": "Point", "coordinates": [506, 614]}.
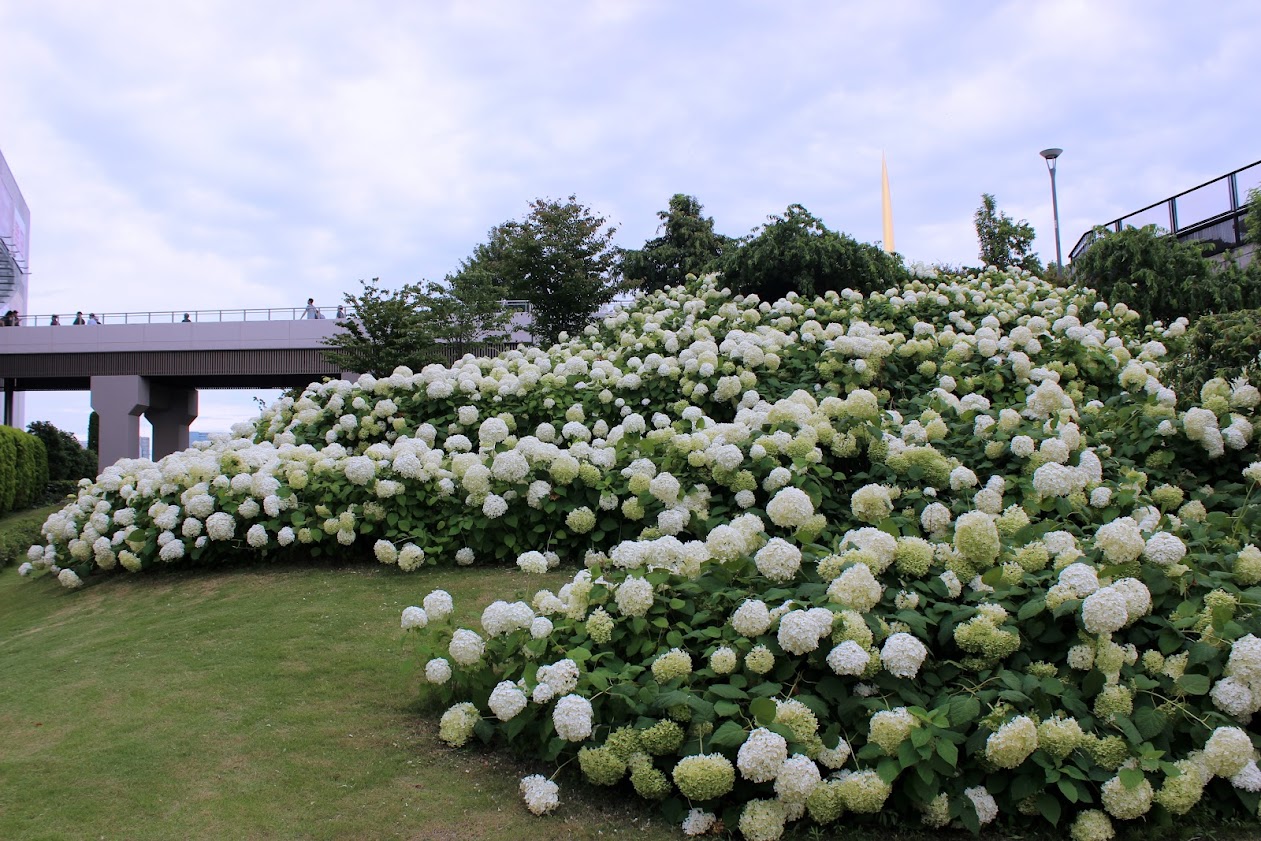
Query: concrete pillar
{"type": "Point", "coordinates": [171, 410]}
{"type": "Point", "coordinates": [10, 391]}
{"type": "Point", "coordinates": [120, 401]}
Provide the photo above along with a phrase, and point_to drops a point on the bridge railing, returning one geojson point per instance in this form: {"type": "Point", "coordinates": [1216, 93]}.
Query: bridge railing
{"type": "Point", "coordinates": [1212, 212]}
{"type": "Point", "coordinates": [207, 316]}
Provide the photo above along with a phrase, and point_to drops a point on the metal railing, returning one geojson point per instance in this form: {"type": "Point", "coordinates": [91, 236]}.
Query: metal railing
{"type": "Point", "coordinates": [205, 316]}
{"type": "Point", "coordinates": [1212, 212]}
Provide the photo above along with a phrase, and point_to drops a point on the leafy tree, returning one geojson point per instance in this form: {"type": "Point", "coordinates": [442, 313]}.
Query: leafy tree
{"type": "Point", "coordinates": [796, 252]}
{"type": "Point", "coordinates": [1151, 271]}
{"type": "Point", "coordinates": [1252, 220]}
{"type": "Point", "coordinates": [1004, 242]}
{"type": "Point", "coordinates": [688, 245]}
{"type": "Point", "coordinates": [416, 324]}
{"type": "Point", "coordinates": [1224, 345]}
{"type": "Point", "coordinates": [67, 458]}
{"type": "Point", "coordinates": [560, 259]}
{"type": "Point", "coordinates": [470, 310]}
{"type": "Point", "coordinates": [387, 330]}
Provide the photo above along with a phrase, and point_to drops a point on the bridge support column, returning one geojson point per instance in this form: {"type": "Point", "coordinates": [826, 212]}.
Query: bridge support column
{"type": "Point", "coordinates": [10, 392]}
{"type": "Point", "coordinates": [170, 410]}
{"type": "Point", "coordinates": [119, 401]}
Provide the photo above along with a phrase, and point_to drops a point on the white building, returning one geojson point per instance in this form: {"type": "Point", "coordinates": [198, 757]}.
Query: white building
{"type": "Point", "coordinates": [15, 229]}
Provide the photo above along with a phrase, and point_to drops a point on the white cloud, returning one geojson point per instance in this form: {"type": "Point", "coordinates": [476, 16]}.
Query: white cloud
{"type": "Point", "coordinates": [179, 156]}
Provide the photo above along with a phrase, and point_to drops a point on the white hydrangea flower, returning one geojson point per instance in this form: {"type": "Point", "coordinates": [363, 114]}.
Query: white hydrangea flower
{"type": "Point", "coordinates": [1104, 611]}
{"type": "Point", "coordinates": [778, 560]}
{"type": "Point", "coordinates": [790, 508]}
{"type": "Point", "coordinates": [414, 617]}
{"type": "Point", "coordinates": [751, 619]}
{"type": "Point", "coordinates": [541, 795]}
{"type": "Point", "coordinates": [438, 605]}
{"type": "Point", "coordinates": [466, 647]}
{"type": "Point", "coordinates": [437, 671]}
{"type": "Point", "coordinates": [572, 718]}
{"type": "Point", "coordinates": [506, 700]}
{"type": "Point", "coordinates": [1163, 549]}
{"type": "Point", "coordinates": [634, 596]}
{"type": "Point", "coordinates": [762, 755]}
{"type": "Point", "coordinates": [902, 655]}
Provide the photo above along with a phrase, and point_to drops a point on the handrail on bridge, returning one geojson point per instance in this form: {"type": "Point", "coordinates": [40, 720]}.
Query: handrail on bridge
{"type": "Point", "coordinates": [1212, 211]}
{"type": "Point", "coordinates": [207, 316]}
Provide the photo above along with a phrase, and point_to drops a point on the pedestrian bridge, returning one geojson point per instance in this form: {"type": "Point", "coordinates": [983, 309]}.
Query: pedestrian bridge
{"type": "Point", "coordinates": [153, 363]}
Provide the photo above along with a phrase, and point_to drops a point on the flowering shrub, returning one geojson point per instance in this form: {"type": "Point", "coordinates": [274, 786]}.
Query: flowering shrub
{"type": "Point", "coordinates": [951, 552]}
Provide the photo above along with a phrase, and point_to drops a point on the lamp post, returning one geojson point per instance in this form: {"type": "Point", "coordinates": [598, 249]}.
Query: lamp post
{"type": "Point", "coordinates": [1051, 155]}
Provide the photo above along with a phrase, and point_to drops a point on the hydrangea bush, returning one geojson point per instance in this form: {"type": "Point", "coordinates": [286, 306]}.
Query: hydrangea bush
{"type": "Point", "coordinates": [950, 552]}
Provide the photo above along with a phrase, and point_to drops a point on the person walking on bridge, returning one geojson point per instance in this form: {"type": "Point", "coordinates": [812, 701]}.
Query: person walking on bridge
{"type": "Point", "coordinates": [78, 318]}
{"type": "Point", "coordinates": [311, 310]}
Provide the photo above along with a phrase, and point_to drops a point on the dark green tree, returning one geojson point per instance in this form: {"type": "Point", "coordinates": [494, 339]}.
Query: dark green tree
{"type": "Point", "coordinates": [415, 324]}
{"type": "Point", "coordinates": [94, 433]}
{"type": "Point", "coordinates": [469, 309]}
{"type": "Point", "coordinates": [387, 329]}
{"type": "Point", "coordinates": [796, 252]}
{"type": "Point", "coordinates": [687, 245]}
{"type": "Point", "coordinates": [1252, 220]}
{"type": "Point", "coordinates": [1151, 271]}
{"type": "Point", "coordinates": [560, 259]}
{"type": "Point", "coordinates": [1004, 242]}
{"type": "Point", "coordinates": [67, 458]}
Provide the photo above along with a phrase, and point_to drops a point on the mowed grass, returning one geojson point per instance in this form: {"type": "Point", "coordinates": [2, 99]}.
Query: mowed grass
{"type": "Point", "coordinates": [253, 703]}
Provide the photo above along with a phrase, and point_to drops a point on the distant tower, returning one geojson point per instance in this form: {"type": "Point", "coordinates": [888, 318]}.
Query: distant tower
{"type": "Point", "coordinates": [886, 206]}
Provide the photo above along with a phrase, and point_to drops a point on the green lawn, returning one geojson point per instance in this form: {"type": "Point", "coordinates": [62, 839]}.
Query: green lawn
{"type": "Point", "coordinates": [256, 703]}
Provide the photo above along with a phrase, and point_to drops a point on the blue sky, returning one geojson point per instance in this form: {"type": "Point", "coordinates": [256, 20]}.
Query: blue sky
{"type": "Point", "coordinates": [181, 156]}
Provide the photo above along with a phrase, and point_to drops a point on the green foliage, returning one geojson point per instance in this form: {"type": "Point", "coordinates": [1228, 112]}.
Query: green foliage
{"type": "Point", "coordinates": [1227, 345]}
{"type": "Point", "coordinates": [560, 259]}
{"type": "Point", "coordinates": [468, 310]}
{"type": "Point", "coordinates": [8, 467]}
{"type": "Point", "coordinates": [94, 432]}
{"type": "Point", "coordinates": [20, 531]}
{"type": "Point", "coordinates": [1151, 272]}
{"type": "Point", "coordinates": [1252, 220]}
{"type": "Point", "coordinates": [1004, 242]}
{"type": "Point", "coordinates": [23, 469]}
{"type": "Point", "coordinates": [32, 471]}
{"type": "Point", "coordinates": [797, 253]}
{"type": "Point", "coordinates": [387, 330]}
{"type": "Point", "coordinates": [688, 245]}
{"type": "Point", "coordinates": [67, 458]}
{"type": "Point", "coordinates": [413, 326]}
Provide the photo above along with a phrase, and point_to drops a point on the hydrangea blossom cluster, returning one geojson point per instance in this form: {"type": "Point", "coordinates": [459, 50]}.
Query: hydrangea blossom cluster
{"type": "Point", "coordinates": [898, 504]}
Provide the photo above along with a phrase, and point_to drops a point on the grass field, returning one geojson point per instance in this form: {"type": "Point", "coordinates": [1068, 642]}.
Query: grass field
{"type": "Point", "coordinates": [258, 703]}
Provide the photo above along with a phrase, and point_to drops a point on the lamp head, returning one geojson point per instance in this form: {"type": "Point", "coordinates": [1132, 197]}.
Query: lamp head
{"type": "Point", "coordinates": [1051, 154]}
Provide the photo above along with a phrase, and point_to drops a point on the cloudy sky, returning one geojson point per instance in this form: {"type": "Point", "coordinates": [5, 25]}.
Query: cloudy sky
{"type": "Point", "coordinates": [204, 155]}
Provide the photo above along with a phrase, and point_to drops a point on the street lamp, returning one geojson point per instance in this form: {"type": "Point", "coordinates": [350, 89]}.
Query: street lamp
{"type": "Point", "coordinates": [1051, 155]}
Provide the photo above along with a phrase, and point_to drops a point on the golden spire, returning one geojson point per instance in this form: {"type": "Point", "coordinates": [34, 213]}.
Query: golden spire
{"type": "Point", "coordinates": [886, 205]}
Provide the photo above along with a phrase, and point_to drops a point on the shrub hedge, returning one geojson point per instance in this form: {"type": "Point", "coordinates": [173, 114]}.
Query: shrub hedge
{"type": "Point", "coordinates": [23, 469]}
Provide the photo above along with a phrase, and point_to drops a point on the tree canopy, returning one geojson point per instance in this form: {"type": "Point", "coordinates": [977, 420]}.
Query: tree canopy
{"type": "Point", "coordinates": [410, 326]}
{"type": "Point", "coordinates": [67, 458]}
{"type": "Point", "coordinates": [560, 259]}
{"type": "Point", "coordinates": [1004, 242]}
{"type": "Point", "coordinates": [796, 252]}
{"type": "Point", "coordinates": [687, 245]}
{"type": "Point", "coordinates": [1163, 278]}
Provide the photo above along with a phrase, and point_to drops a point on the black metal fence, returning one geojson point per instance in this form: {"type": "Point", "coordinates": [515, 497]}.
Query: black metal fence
{"type": "Point", "coordinates": [1213, 212]}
